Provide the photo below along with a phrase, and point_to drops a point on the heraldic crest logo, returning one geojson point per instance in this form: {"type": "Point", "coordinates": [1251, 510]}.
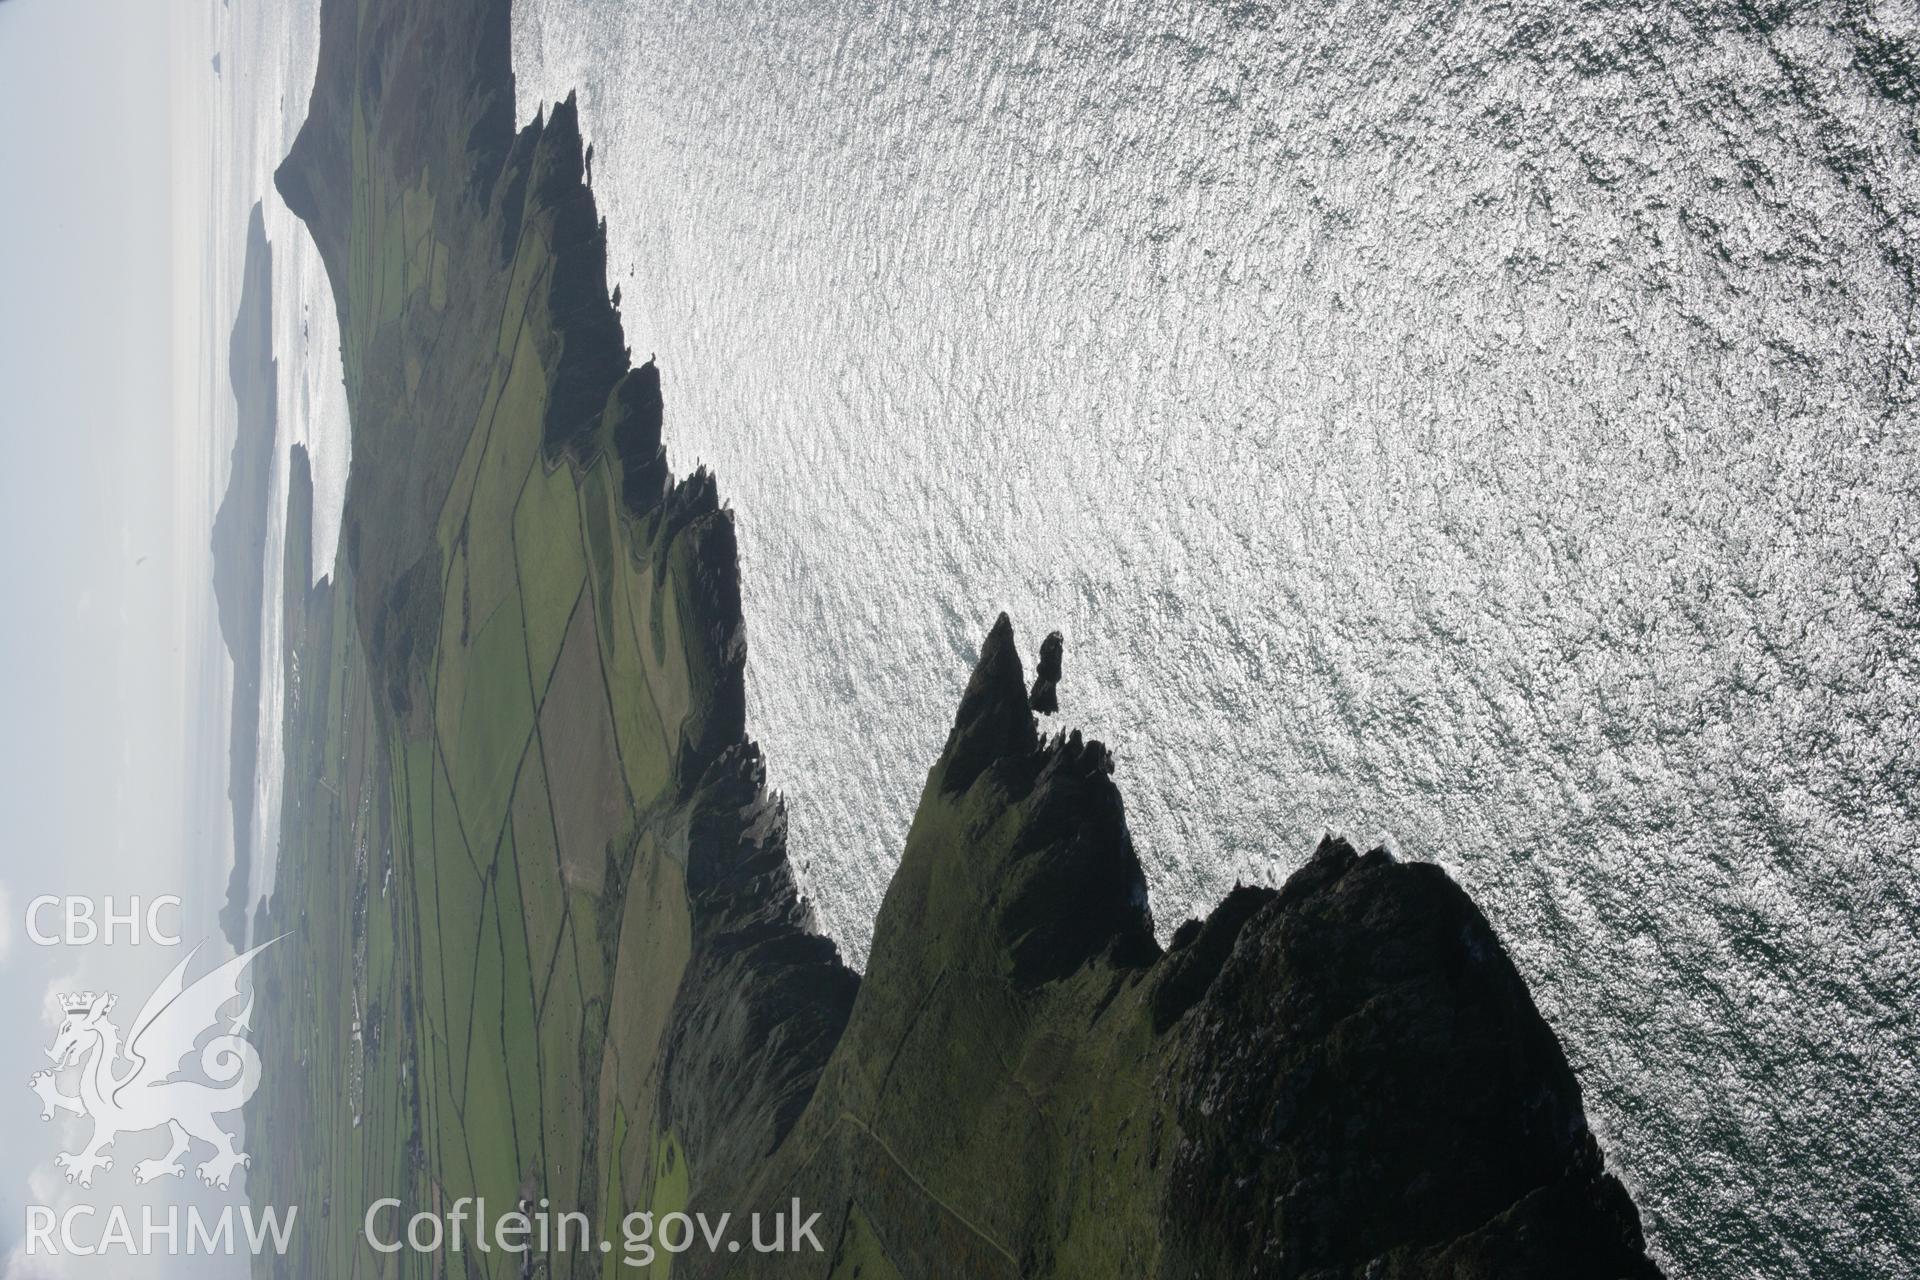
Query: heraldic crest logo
{"type": "Point", "coordinates": [176, 1069]}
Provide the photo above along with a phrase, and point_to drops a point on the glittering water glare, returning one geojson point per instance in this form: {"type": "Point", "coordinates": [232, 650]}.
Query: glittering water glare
{"type": "Point", "coordinates": [1487, 425]}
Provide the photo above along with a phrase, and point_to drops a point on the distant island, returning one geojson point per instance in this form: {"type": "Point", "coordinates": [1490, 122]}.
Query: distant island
{"type": "Point", "coordinates": [240, 547]}
{"type": "Point", "coordinates": [546, 940]}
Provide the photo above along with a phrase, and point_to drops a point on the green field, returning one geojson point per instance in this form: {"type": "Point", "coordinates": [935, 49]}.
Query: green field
{"type": "Point", "coordinates": [544, 940]}
{"type": "Point", "coordinates": [465, 870]}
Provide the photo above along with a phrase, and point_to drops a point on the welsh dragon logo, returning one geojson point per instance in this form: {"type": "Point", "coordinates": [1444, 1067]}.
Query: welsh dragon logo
{"type": "Point", "coordinates": [142, 1083]}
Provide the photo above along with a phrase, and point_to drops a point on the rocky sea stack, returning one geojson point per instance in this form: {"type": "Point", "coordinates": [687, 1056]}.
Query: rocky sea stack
{"type": "Point", "coordinates": [1342, 1077]}
{"type": "Point", "coordinates": [525, 829]}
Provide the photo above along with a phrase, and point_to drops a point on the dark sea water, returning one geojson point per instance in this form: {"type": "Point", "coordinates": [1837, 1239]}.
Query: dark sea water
{"type": "Point", "coordinates": [1487, 427]}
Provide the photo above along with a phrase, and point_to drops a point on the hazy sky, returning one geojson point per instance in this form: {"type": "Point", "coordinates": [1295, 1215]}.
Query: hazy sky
{"type": "Point", "coordinates": [105, 666]}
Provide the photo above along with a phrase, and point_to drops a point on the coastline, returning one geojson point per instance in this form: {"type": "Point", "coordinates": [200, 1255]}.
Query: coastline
{"type": "Point", "coordinates": [520, 760]}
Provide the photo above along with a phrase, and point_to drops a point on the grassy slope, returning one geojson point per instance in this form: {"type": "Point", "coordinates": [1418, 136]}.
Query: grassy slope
{"type": "Point", "coordinates": [527, 846]}
{"type": "Point", "coordinates": [1344, 1077]}
{"type": "Point", "coordinates": [510, 688]}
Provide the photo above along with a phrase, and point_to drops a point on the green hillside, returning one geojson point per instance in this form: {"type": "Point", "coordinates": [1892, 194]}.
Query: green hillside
{"type": "Point", "coordinates": [545, 940]}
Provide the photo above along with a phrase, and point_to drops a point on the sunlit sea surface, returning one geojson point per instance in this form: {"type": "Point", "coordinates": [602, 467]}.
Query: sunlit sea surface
{"type": "Point", "coordinates": [1485, 427]}
{"type": "Point", "coordinates": [267, 55]}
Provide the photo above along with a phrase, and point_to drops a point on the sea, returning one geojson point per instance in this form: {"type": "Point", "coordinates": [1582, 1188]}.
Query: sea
{"type": "Point", "coordinates": [1486, 429]}
{"type": "Point", "coordinates": [262, 80]}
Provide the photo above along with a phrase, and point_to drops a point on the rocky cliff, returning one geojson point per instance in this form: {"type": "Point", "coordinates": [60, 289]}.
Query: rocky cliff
{"type": "Point", "coordinates": [1344, 1077]}
{"type": "Point", "coordinates": [529, 840]}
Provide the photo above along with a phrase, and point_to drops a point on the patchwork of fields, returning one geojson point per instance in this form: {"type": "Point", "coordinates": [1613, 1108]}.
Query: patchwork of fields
{"type": "Point", "coordinates": [544, 939]}
{"type": "Point", "coordinates": [482, 867]}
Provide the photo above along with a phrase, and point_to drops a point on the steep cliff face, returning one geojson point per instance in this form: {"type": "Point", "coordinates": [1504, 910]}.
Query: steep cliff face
{"type": "Point", "coordinates": [240, 544]}
{"type": "Point", "coordinates": [1342, 1077]}
{"type": "Point", "coordinates": [528, 836]}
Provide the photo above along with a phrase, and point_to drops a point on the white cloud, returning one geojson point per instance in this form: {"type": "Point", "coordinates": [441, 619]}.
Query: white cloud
{"type": "Point", "coordinates": [43, 1189]}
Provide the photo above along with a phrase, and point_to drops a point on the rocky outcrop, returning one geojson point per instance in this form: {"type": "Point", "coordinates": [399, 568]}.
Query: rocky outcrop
{"type": "Point", "coordinates": [1045, 697]}
{"type": "Point", "coordinates": [1342, 1077]}
{"type": "Point", "coordinates": [1366, 1065]}
{"type": "Point", "coordinates": [636, 411]}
